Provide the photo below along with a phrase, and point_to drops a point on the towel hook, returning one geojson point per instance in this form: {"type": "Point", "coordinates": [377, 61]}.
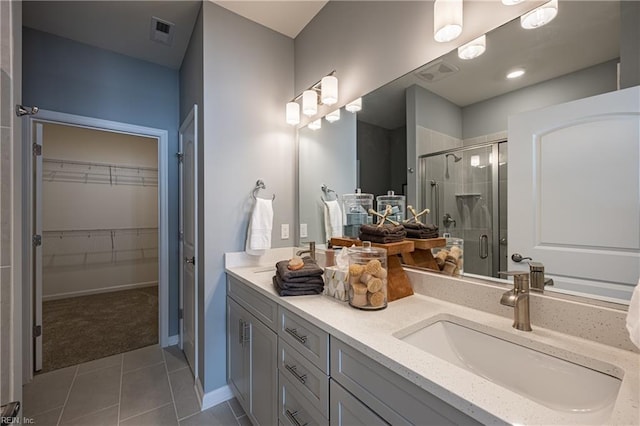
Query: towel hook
{"type": "Point", "coordinates": [260, 185]}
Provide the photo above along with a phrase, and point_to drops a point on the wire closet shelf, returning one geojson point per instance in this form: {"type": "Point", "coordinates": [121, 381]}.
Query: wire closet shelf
{"type": "Point", "coordinates": [55, 170]}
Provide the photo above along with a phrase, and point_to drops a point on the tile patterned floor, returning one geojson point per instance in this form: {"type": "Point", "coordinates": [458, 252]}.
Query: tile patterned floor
{"type": "Point", "coordinates": [149, 386]}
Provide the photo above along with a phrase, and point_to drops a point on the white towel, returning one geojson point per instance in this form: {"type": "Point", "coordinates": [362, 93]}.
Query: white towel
{"type": "Point", "coordinates": [259, 234]}
{"type": "Point", "coordinates": [633, 317]}
{"type": "Point", "coordinates": [332, 219]}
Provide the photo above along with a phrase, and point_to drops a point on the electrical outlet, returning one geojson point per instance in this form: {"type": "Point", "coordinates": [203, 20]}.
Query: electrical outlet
{"type": "Point", "coordinates": [303, 230]}
{"type": "Point", "coordinates": [284, 231]}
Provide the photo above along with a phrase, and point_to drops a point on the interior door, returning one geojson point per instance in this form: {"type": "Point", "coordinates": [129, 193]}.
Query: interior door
{"type": "Point", "coordinates": [189, 238]}
{"type": "Point", "coordinates": [37, 245]}
{"type": "Point", "coordinates": [574, 192]}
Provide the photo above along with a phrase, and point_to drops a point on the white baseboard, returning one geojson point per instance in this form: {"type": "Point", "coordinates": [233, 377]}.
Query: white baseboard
{"type": "Point", "coordinates": [213, 398]}
{"type": "Point", "coordinates": [173, 340]}
{"type": "Point", "coordinates": [98, 290]}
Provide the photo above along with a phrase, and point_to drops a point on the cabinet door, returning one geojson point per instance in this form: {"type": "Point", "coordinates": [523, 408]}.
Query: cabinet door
{"type": "Point", "coordinates": [238, 352]}
{"type": "Point", "coordinates": [264, 374]}
{"type": "Point", "coordinates": [346, 410]}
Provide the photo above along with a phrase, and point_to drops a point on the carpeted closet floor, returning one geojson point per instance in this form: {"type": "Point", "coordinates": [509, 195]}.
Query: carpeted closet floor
{"type": "Point", "coordinates": [81, 329]}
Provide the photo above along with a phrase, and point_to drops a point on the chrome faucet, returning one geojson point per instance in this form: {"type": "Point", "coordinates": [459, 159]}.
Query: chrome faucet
{"type": "Point", "coordinates": [536, 273]}
{"type": "Point", "coordinates": [311, 251]}
{"type": "Point", "coordinates": [518, 298]}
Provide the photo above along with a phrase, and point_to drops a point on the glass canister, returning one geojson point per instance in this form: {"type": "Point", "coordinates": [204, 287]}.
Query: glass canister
{"type": "Point", "coordinates": [450, 258]}
{"type": "Point", "coordinates": [368, 277]}
{"type": "Point", "coordinates": [355, 212]}
{"type": "Point", "coordinates": [397, 203]}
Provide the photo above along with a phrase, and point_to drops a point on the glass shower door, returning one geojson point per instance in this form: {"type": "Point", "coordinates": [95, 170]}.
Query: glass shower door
{"type": "Point", "coordinates": [460, 187]}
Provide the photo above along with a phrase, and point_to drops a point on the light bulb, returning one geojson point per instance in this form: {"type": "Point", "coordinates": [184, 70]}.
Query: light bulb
{"type": "Point", "coordinates": [315, 125]}
{"type": "Point", "coordinates": [474, 48]}
{"type": "Point", "coordinates": [540, 16]}
{"type": "Point", "coordinates": [293, 113]}
{"type": "Point", "coordinates": [354, 106]}
{"type": "Point", "coordinates": [447, 20]}
{"type": "Point", "coordinates": [333, 116]}
{"type": "Point", "coordinates": [309, 102]}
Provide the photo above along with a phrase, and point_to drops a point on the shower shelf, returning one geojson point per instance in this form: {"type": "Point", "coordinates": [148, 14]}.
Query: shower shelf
{"type": "Point", "coordinates": [54, 170]}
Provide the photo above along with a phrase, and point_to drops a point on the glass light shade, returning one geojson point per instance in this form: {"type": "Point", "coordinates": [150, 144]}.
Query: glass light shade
{"type": "Point", "coordinates": [329, 85]}
{"type": "Point", "coordinates": [447, 20]}
{"type": "Point", "coordinates": [333, 116]}
{"type": "Point", "coordinates": [475, 160]}
{"type": "Point", "coordinates": [539, 16]}
{"type": "Point", "coordinates": [293, 113]}
{"type": "Point", "coordinates": [354, 106]}
{"type": "Point", "coordinates": [511, 2]}
{"type": "Point", "coordinates": [309, 102]}
{"type": "Point", "coordinates": [315, 125]}
{"type": "Point", "coordinates": [474, 48]}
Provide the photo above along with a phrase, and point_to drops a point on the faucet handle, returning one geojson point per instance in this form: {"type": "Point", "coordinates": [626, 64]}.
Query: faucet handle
{"type": "Point", "coordinates": [520, 280]}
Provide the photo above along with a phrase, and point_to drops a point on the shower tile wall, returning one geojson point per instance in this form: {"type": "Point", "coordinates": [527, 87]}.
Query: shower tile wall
{"type": "Point", "coordinates": [6, 133]}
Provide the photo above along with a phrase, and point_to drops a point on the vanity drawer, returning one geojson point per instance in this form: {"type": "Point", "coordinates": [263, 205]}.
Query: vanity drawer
{"type": "Point", "coordinates": [392, 397]}
{"type": "Point", "coordinates": [295, 409]}
{"type": "Point", "coordinates": [261, 307]}
{"type": "Point", "coordinates": [306, 338]}
{"type": "Point", "coordinates": [303, 375]}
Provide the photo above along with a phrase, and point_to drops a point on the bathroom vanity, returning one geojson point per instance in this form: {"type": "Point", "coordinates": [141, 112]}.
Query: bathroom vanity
{"type": "Point", "coordinates": [315, 360]}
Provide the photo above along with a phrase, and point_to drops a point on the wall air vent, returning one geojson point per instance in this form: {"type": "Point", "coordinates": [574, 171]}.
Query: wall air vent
{"type": "Point", "coordinates": [162, 31]}
{"type": "Point", "coordinates": [436, 70]}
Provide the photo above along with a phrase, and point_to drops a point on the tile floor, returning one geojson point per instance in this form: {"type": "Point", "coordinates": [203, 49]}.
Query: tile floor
{"type": "Point", "coordinates": [148, 386]}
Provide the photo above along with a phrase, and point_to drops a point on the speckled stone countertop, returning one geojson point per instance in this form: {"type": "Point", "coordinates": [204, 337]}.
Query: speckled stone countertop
{"type": "Point", "coordinates": [374, 334]}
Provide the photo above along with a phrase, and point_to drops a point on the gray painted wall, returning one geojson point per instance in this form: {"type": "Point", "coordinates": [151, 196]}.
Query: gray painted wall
{"type": "Point", "coordinates": [370, 43]}
{"type": "Point", "coordinates": [66, 76]}
{"type": "Point", "coordinates": [630, 44]}
{"type": "Point", "coordinates": [248, 78]}
{"type": "Point", "coordinates": [326, 156]}
{"type": "Point", "coordinates": [382, 156]}
{"type": "Point", "coordinates": [491, 116]}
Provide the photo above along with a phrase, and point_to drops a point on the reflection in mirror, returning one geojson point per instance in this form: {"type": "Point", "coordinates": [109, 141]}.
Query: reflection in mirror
{"type": "Point", "coordinates": [439, 133]}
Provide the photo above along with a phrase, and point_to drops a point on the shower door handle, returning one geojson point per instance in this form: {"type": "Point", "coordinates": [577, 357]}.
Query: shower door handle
{"type": "Point", "coordinates": [484, 246]}
{"type": "Point", "coordinates": [436, 188]}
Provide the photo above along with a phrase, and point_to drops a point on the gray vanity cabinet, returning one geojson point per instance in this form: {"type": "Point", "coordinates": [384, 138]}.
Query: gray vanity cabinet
{"type": "Point", "coordinates": [346, 410]}
{"type": "Point", "coordinates": [252, 369]}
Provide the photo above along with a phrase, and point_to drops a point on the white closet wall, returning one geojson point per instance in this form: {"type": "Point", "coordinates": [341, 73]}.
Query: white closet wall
{"type": "Point", "coordinates": [100, 211]}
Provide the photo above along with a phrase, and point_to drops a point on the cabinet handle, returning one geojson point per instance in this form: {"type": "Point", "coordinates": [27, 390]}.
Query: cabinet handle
{"type": "Point", "coordinates": [240, 331]}
{"type": "Point", "coordinates": [292, 417]}
{"type": "Point", "coordinates": [246, 334]}
{"type": "Point", "coordinates": [294, 333]}
{"type": "Point", "coordinates": [292, 369]}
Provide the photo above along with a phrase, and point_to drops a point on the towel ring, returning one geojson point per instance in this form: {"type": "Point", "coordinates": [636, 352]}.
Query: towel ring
{"type": "Point", "coordinates": [326, 191]}
{"type": "Point", "coordinates": [260, 185]}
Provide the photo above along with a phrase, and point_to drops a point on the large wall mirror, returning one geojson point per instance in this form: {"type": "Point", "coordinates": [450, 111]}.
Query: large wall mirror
{"type": "Point", "coordinates": [440, 135]}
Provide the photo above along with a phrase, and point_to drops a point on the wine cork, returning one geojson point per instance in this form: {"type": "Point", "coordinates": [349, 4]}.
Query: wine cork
{"type": "Point", "coordinates": [376, 299]}
{"type": "Point", "coordinates": [374, 285]}
{"type": "Point", "coordinates": [364, 278]}
{"type": "Point", "coordinates": [359, 295]}
{"type": "Point", "coordinates": [373, 267]}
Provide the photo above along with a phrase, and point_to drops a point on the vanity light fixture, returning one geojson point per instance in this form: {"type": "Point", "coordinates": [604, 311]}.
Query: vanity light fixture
{"type": "Point", "coordinates": [309, 103]}
{"type": "Point", "coordinates": [329, 95]}
{"type": "Point", "coordinates": [315, 125]}
{"type": "Point", "coordinates": [447, 20]}
{"type": "Point", "coordinates": [333, 116]}
{"type": "Point", "coordinates": [515, 74]}
{"type": "Point", "coordinates": [354, 106]}
{"type": "Point", "coordinates": [539, 16]}
{"type": "Point", "coordinates": [327, 88]}
{"type": "Point", "coordinates": [474, 48]}
{"type": "Point", "coordinates": [293, 113]}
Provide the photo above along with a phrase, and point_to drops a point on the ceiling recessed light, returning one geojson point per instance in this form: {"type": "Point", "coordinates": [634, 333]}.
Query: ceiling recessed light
{"type": "Point", "coordinates": [515, 74]}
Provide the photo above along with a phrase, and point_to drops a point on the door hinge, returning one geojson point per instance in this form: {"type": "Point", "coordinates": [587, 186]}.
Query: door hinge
{"type": "Point", "coordinates": [180, 156]}
{"type": "Point", "coordinates": [180, 235]}
{"type": "Point", "coordinates": [36, 240]}
{"type": "Point", "coordinates": [37, 330]}
{"type": "Point", "coordinates": [37, 150]}
{"type": "Point", "coordinates": [180, 314]}
{"type": "Point", "coordinates": [22, 110]}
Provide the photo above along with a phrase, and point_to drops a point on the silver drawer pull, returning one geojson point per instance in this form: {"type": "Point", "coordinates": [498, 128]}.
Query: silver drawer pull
{"type": "Point", "coordinates": [294, 333]}
{"type": "Point", "coordinates": [292, 369]}
{"type": "Point", "coordinates": [292, 417]}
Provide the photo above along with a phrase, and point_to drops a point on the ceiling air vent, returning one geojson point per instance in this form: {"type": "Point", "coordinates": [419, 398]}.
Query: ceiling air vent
{"type": "Point", "coordinates": [162, 31]}
{"type": "Point", "coordinates": [436, 71]}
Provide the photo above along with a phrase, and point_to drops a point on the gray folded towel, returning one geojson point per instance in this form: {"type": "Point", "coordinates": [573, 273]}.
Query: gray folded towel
{"type": "Point", "coordinates": [310, 269]}
{"type": "Point", "coordinates": [296, 291]}
{"type": "Point", "coordinates": [385, 230]}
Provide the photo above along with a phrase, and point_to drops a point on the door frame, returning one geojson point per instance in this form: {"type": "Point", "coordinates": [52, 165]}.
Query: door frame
{"type": "Point", "coordinates": [162, 137]}
{"type": "Point", "coordinates": [192, 117]}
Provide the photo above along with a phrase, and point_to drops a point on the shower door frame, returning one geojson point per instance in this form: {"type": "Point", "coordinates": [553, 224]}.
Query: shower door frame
{"type": "Point", "coordinates": [495, 188]}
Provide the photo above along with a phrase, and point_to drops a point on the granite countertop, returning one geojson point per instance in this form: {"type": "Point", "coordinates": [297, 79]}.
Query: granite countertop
{"type": "Point", "coordinates": [373, 333]}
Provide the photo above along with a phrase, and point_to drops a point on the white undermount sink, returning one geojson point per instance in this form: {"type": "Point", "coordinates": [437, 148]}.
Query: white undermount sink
{"type": "Point", "coordinates": [553, 382]}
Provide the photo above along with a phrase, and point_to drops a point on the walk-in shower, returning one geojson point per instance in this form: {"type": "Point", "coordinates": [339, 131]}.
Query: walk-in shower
{"type": "Point", "coordinates": [468, 199]}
